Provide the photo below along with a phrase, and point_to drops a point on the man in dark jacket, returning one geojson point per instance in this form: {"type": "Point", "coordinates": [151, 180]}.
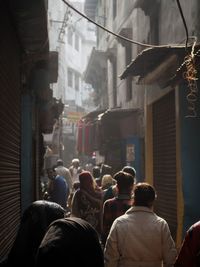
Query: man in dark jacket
{"type": "Point", "coordinates": [58, 189]}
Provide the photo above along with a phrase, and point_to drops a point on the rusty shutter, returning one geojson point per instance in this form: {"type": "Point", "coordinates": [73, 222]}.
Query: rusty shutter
{"type": "Point", "coordinates": [9, 133]}
{"type": "Point", "coordinates": [164, 159]}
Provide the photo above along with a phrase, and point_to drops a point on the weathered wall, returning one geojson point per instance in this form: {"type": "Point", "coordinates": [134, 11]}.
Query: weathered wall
{"type": "Point", "coordinates": [171, 29]}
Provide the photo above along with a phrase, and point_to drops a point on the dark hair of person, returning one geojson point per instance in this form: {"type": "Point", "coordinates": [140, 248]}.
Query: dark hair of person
{"type": "Point", "coordinates": [71, 239]}
{"type": "Point", "coordinates": [144, 195]}
{"type": "Point", "coordinates": [96, 172]}
{"type": "Point", "coordinates": [59, 162]}
{"type": "Point", "coordinates": [129, 170]}
{"type": "Point", "coordinates": [34, 223]}
{"type": "Point", "coordinates": [106, 169]}
{"type": "Point", "coordinates": [124, 181]}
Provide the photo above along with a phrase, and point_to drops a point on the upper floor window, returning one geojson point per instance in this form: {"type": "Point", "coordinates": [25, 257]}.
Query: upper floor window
{"type": "Point", "coordinates": [114, 8]}
{"type": "Point", "coordinates": [70, 37]}
{"type": "Point", "coordinates": [76, 42]}
{"type": "Point", "coordinates": [129, 79]}
{"type": "Point", "coordinates": [114, 83]}
{"type": "Point", "coordinates": [70, 77]}
{"type": "Point", "coordinates": [76, 82]}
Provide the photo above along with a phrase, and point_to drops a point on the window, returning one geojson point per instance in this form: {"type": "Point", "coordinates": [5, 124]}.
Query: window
{"type": "Point", "coordinates": [114, 84]}
{"type": "Point", "coordinates": [77, 42]}
{"type": "Point", "coordinates": [76, 82]}
{"type": "Point", "coordinates": [114, 8]}
{"type": "Point", "coordinates": [129, 79]}
{"type": "Point", "coordinates": [70, 78]}
{"type": "Point", "coordinates": [129, 88]}
{"type": "Point", "coordinates": [70, 37]}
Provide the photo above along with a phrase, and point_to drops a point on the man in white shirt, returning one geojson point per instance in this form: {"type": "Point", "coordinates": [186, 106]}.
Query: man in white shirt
{"type": "Point", "coordinates": [75, 169]}
{"type": "Point", "coordinates": [140, 237]}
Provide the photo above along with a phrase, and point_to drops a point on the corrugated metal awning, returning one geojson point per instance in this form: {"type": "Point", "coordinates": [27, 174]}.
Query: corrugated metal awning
{"type": "Point", "coordinates": [163, 59]}
{"type": "Point", "coordinates": [118, 113]}
{"type": "Point", "coordinates": [93, 114]}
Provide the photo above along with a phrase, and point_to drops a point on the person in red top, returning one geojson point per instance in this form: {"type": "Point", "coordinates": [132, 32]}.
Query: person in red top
{"type": "Point", "coordinates": [87, 201]}
{"type": "Point", "coordinates": [118, 205]}
{"type": "Point", "coordinates": [189, 254]}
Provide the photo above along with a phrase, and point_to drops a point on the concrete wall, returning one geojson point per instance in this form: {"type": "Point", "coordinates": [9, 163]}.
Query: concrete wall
{"type": "Point", "coordinates": [171, 29]}
{"type": "Point", "coordinates": [127, 17]}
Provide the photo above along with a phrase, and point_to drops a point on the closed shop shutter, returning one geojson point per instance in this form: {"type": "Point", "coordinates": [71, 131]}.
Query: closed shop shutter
{"type": "Point", "coordinates": [9, 134]}
{"type": "Point", "coordinates": [164, 159]}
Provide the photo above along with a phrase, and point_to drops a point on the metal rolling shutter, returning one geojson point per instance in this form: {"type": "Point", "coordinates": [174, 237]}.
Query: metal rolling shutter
{"type": "Point", "coordinates": [164, 159]}
{"type": "Point", "coordinates": [9, 135]}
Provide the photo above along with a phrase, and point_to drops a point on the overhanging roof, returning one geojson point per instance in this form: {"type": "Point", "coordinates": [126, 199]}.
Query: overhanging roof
{"type": "Point", "coordinates": [104, 114]}
{"type": "Point", "coordinates": [118, 113]}
{"type": "Point", "coordinates": [30, 18]}
{"type": "Point", "coordinates": [96, 65]}
{"type": "Point", "coordinates": [149, 60]}
{"type": "Point", "coordinates": [93, 114]}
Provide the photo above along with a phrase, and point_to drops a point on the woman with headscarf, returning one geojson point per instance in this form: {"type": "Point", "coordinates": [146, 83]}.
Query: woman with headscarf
{"type": "Point", "coordinates": [87, 201]}
{"type": "Point", "coordinates": [70, 242]}
{"type": "Point", "coordinates": [34, 223]}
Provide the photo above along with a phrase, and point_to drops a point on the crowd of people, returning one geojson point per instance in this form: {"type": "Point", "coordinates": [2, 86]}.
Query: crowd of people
{"type": "Point", "coordinates": [92, 217]}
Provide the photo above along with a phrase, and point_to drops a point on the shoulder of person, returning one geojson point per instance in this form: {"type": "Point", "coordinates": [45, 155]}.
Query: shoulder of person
{"type": "Point", "coordinates": [65, 169]}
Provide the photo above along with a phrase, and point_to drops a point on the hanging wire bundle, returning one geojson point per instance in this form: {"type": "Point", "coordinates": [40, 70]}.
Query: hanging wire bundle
{"type": "Point", "coordinates": [190, 75]}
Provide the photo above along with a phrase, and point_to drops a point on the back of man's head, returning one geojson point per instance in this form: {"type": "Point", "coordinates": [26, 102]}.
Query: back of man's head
{"type": "Point", "coordinates": [75, 162]}
{"type": "Point", "coordinates": [96, 172]}
{"type": "Point", "coordinates": [144, 195]}
{"type": "Point", "coordinates": [59, 162]}
{"type": "Point", "coordinates": [105, 169]}
{"type": "Point", "coordinates": [125, 181]}
{"type": "Point", "coordinates": [129, 170]}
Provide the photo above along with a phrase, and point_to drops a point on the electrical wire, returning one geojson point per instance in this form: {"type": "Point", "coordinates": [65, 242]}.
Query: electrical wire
{"type": "Point", "coordinates": [184, 23]}
{"type": "Point", "coordinates": [109, 31]}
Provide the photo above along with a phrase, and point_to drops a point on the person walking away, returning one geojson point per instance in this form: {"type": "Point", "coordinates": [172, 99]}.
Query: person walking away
{"type": "Point", "coordinates": [58, 190]}
{"type": "Point", "coordinates": [51, 177]}
{"type": "Point", "coordinates": [87, 201]}
{"type": "Point", "coordinates": [140, 237]}
{"type": "Point", "coordinates": [112, 191]}
{"type": "Point", "coordinates": [189, 254]}
{"type": "Point", "coordinates": [105, 169]}
{"type": "Point", "coordinates": [118, 205]}
{"type": "Point", "coordinates": [107, 181]}
{"type": "Point", "coordinates": [63, 171]}
{"type": "Point", "coordinates": [96, 172]}
{"type": "Point", "coordinates": [70, 242]}
{"type": "Point", "coordinates": [75, 169]}
{"type": "Point", "coordinates": [130, 170]}
{"type": "Point", "coordinates": [34, 222]}
{"type": "Point", "coordinates": [76, 186]}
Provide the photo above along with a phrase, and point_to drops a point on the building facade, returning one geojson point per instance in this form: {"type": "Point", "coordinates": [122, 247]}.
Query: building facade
{"type": "Point", "coordinates": [149, 76]}
{"type": "Point", "coordinates": [123, 122]}
{"type": "Point", "coordinates": [27, 111]}
{"type": "Point", "coordinates": [73, 38]}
